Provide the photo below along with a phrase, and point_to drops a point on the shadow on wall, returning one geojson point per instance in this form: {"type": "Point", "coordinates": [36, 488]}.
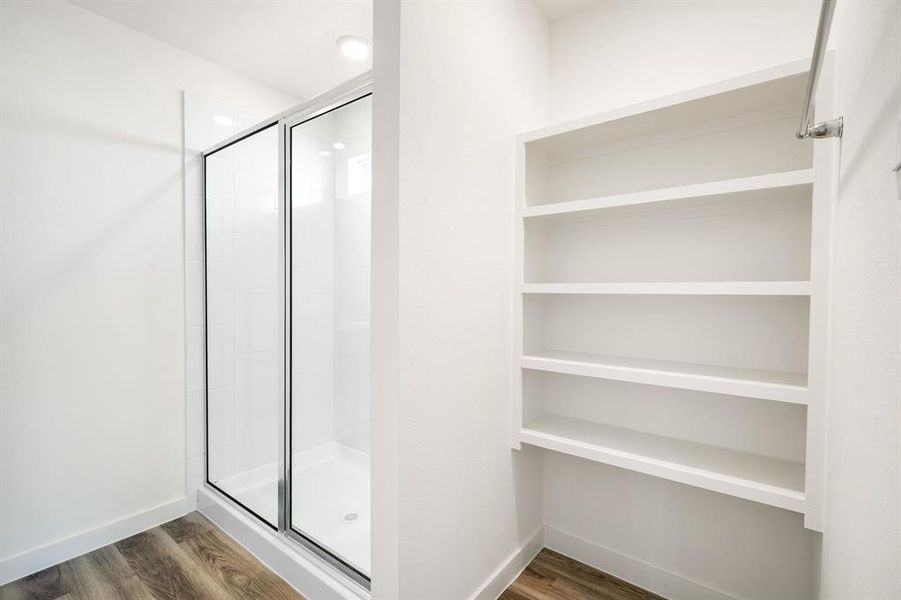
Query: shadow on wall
{"type": "Point", "coordinates": [126, 218]}
{"type": "Point", "coordinates": [16, 118]}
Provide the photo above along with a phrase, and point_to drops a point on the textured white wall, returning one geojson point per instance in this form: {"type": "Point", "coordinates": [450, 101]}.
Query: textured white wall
{"type": "Point", "coordinates": [618, 53]}
{"type": "Point", "coordinates": [862, 536]}
{"type": "Point", "coordinates": [93, 296]}
{"type": "Point", "coordinates": [385, 332]}
{"type": "Point", "coordinates": [469, 76]}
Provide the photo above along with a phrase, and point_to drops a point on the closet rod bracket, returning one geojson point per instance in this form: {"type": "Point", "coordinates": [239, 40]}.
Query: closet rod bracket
{"type": "Point", "coordinates": [824, 129]}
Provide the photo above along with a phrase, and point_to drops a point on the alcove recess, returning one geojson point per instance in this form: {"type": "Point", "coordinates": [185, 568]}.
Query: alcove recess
{"type": "Point", "coordinates": [671, 278]}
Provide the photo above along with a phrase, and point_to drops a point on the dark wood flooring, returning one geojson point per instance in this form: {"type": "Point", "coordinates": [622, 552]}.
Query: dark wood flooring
{"type": "Point", "coordinates": [552, 576]}
{"type": "Point", "coordinates": [185, 559]}
{"type": "Point", "coordinates": [191, 559]}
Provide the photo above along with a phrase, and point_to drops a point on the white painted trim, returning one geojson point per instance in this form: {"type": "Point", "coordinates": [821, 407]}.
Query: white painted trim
{"type": "Point", "coordinates": [629, 568]}
{"type": "Point", "coordinates": [299, 567]}
{"type": "Point", "coordinates": [510, 569]}
{"type": "Point", "coordinates": [32, 561]}
{"type": "Point", "coordinates": [516, 300]}
{"type": "Point", "coordinates": [827, 169]}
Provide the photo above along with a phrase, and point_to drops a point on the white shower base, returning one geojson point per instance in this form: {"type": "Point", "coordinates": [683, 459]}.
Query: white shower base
{"type": "Point", "coordinates": [330, 498]}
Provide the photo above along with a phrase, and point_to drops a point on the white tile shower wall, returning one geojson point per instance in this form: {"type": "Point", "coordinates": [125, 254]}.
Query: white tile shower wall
{"type": "Point", "coordinates": [313, 280]}
{"type": "Point", "coordinates": [331, 215]}
{"type": "Point", "coordinates": [352, 280]}
{"type": "Point", "coordinates": [254, 277]}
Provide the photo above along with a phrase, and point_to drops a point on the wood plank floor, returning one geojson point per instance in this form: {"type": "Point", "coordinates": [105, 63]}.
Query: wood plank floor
{"type": "Point", "coordinates": [191, 559]}
{"type": "Point", "coordinates": [552, 576]}
{"type": "Point", "coordinates": [185, 559]}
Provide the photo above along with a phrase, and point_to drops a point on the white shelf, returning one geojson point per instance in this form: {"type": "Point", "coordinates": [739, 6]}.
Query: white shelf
{"type": "Point", "coordinates": [692, 227]}
{"type": "Point", "coordinates": [774, 87]}
{"type": "Point", "coordinates": [744, 188]}
{"type": "Point", "coordinates": [750, 383]}
{"type": "Point", "coordinates": [758, 478]}
{"type": "Point", "coordinates": [697, 288]}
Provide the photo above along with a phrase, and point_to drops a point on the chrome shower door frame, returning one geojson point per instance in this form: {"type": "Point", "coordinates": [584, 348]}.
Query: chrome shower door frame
{"type": "Point", "coordinates": [351, 91]}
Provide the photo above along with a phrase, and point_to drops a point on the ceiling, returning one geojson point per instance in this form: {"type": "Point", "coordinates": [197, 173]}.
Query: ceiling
{"type": "Point", "coordinates": [286, 44]}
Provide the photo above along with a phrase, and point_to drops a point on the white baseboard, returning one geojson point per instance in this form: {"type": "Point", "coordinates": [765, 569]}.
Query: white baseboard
{"type": "Point", "coordinates": [305, 572]}
{"type": "Point", "coordinates": [32, 561]}
{"type": "Point", "coordinates": [510, 569]}
{"type": "Point", "coordinates": [629, 568]}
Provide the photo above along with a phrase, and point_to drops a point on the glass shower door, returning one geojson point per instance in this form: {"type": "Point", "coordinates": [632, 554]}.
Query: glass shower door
{"type": "Point", "coordinates": [243, 282]}
{"type": "Point", "coordinates": [329, 194]}
{"type": "Point", "coordinates": [287, 273]}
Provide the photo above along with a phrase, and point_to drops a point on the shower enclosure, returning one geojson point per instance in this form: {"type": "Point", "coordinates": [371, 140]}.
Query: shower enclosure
{"type": "Point", "coordinates": [287, 228]}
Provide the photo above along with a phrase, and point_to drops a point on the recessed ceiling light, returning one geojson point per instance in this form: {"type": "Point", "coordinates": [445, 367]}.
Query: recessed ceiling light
{"type": "Point", "coordinates": [353, 47]}
{"type": "Point", "coordinates": [338, 146]}
{"type": "Point", "coordinates": [324, 153]}
{"type": "Point", "coordinates": [222, 120]}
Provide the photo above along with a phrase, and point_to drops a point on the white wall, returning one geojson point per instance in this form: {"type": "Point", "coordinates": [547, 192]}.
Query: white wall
{"type": "Point", "coordinates": [618, 53]}
{"type": "Point", "coordinates": [637, 526]}
{"type": "Point", "coordinates": [467, 77]}
{"type": "Point", "coordinates": [93, 346]}
{"type": "Point", "coordinates": [862, 536]}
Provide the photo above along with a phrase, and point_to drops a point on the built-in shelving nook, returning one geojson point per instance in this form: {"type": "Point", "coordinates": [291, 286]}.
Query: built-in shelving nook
{"type": "Point", "coordinates": [671, 289]}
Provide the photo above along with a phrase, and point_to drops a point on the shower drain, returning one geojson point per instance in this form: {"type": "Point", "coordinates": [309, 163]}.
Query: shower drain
{"type": "Point", "coordinates": [350, 517]}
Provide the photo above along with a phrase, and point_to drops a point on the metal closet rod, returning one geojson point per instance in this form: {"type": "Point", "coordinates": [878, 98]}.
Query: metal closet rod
{"type": "Point", "coordinates": [832, 127]}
